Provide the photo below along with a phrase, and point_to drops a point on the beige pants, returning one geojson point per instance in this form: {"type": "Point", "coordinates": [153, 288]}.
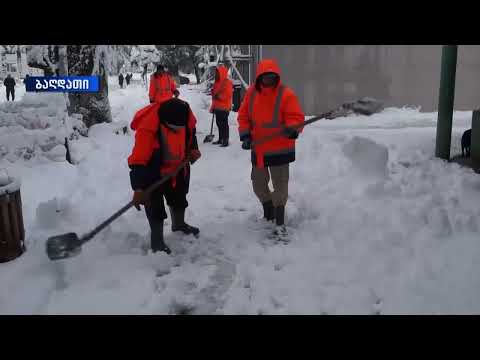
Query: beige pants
{"type": "Point", "coordinates": [260, 179]}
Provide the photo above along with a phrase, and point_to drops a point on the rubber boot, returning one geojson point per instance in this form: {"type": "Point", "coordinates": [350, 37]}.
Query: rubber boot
{"type": "Point", "coordinates": [268, 211]}
{"type": "Point", "coordinates": [218, 142]}
{"type": "Point", "coordinates": [156, 240]}
{"type": "Point", "coordinates": [280, 215]}
{"type": "Point", "coordinates": [179, 224]}
{"type": "Point", "coordinates": [225, 135]}
{"type": "Point", "coordinates": [280, 229]}
{"type": "Point", "coordinates": [224, 143]}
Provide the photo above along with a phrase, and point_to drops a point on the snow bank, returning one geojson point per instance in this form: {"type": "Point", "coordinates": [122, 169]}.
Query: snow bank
{"type": "Point", "coordinates": [4, 178]}
{"type": "Point", "coordinates": [367, 157]}
{"type": "Point", "coordinates": [34, 127]}
{"type": "Point", "coordinates": [99, 131]}
{"type": "Point", "coordinates": [8, 184]}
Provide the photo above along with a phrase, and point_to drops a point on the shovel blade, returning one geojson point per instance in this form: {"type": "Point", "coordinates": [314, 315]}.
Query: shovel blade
{"type": "Point", "coordinates": [208, 138]}
{"type": "Point", "coordinates": [63, 246]}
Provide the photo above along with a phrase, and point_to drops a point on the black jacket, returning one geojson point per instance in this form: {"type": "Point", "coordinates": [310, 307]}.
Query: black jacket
{"type": "Point", "coordinates": [9, 83]}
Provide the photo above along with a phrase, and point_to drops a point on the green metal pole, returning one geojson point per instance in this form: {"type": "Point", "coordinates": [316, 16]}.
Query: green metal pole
{"type": "Point", "coordinates": [445, 101]}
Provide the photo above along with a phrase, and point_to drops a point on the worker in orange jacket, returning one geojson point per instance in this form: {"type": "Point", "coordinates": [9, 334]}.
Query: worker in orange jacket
{"type": "Point", "coordinates": [222, 93]}
{"type": "Point", "coordinates": [165, 136]}
{"type": "Point", "coordinates": [269, 108]}
{"type": "Point", "coordinates": [162, 86]}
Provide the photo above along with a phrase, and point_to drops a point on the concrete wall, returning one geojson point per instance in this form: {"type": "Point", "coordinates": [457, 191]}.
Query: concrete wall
{"type": "Point", "coordinates": [325, 76]}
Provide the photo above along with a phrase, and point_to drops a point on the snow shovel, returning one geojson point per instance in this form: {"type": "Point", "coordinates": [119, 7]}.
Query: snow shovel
{"type": "Point", "coordinates": [210, 136]}
{"type": "Point", "coordinates": [69, 244]}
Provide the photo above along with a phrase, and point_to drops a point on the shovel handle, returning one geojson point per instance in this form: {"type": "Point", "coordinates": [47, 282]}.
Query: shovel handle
{"type": "Point", "coordinates": [107, 222]}
{"type": "Point", "coordinates": [149, 190]}
{"type": "Point", "coordinates": [307, 122]}
{"type": "Point", "coordinates": [211, 126]}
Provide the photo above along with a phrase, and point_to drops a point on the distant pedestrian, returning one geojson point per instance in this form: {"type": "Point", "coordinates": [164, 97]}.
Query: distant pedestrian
{"type": "Point", "coordinates": [120, 80]}
{"type": "Point", "coordinates": [162, 86]}
{"type": "Point", "coordinates": [9, 83]}
{"type": "Point", "coordinates": [222, 103]}
{"type": "Point", "coordinates": [466, 142]}
{"type": "Point", "coordinates": [144, 73]}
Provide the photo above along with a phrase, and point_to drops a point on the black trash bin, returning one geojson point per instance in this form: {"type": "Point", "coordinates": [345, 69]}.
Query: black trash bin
{"type": "Point", "coordinates": [12, 231]}
{"type": "Point", "coordinates": [237, 95]}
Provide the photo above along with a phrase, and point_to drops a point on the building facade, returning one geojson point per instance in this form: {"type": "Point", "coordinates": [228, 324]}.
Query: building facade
{"type": "Point", "coordinates": [326, 76]}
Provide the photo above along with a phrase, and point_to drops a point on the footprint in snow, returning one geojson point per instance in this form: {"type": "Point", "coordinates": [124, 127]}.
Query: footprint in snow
{"type": "Point", "coordinates": [230, 209]}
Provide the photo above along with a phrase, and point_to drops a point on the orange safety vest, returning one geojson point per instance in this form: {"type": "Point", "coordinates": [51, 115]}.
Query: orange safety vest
{"type": "Point", "coordinates": [275, 122]}
{"type": "Point", "coordinates": [172, 140]}
{"type": "Point", "coordinates": [172, 144]}
{"type": "Point", "coordinates": [265, 113]}
{"type": "Point", "coordinates": [279, 147]}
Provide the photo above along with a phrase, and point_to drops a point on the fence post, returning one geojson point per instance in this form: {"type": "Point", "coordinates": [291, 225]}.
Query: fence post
{"type": "Point", "coordinates": [446, 101]}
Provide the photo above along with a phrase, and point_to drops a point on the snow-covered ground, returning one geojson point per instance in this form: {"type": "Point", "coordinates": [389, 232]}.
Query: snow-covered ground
{"type": "Point", "coordinates": [379, 226]}
{"type": "Point", "coordinates": [19, 91]}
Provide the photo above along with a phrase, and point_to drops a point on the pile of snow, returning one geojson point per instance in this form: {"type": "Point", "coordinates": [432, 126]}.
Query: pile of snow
{"type": "Point", "coordinates": [34, 127]}
{"type": "Point", "coordinates": [364, 106]}
{"type": "Point", "coordinates": [4, 178]}
{"type": "Point", "coordinates": [368, 157]}
{"type": "Point", "coordinates": [397, 118]}
{"type": "Point", "coordinates": [108, 129]}
{"type": "Point", "coordinates": [8, 184]}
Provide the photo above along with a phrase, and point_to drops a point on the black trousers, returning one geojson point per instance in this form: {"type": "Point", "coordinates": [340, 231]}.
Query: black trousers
{"type": "Point", "coordinates": [221, 117]}
{"type": "Point", "coordinates": [10, 91]}
{"type": "Point", "coordinates": [176, 197]}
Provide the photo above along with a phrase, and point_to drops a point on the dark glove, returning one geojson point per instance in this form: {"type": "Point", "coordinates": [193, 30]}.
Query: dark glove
{"type": "Point", "coordinates": [290, 133]}
{"type": "Point", "coordinates": [194, 155]}
{"type": "Point", "coordinates": [139, 198]}
{"type": "Point", "coordinates": [176, 93]}
{"type": "Point", "coordinates": [247, 144]}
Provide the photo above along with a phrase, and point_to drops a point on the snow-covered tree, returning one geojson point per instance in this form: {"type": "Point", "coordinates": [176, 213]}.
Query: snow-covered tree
{"type": "Point", "coordinates": [182, 57]}
{"type": "Point", "coordinates": [10, 49]}
{"type": "Point", "coordinates": [44, 57]}
{"type": "Point", "coordinates": [144, 55]}
{"type": "Point", "coordinates": [90, 60]}
{"type": "Point", "coordinates": [120, 58]}
{"type": "Point", "coordinates": [78, 60]}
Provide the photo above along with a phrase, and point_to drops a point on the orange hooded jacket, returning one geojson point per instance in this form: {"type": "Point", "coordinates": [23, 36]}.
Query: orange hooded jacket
{"type": "Point", "coordinates": [148, 131]}
{"type": "Point", "coordinates": [162, 88]}
{"type": "Point", "coordinates": [222, 91]}
{"type": "Point", "coordinates": [256, 119]}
